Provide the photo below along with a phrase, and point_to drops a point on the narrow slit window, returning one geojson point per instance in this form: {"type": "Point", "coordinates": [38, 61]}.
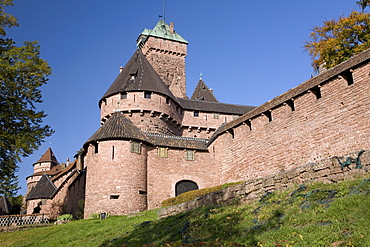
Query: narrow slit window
{"type": "Point", "coordinates": [112, 152]}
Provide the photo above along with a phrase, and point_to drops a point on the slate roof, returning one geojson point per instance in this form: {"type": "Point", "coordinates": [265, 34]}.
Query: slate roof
{"type": "Point", "coordinates": [177, 142]}
{"type": "Point", "coordinates": [44, 189]}
{"type": "Point", "coordinates": [117, 127]}
{"type": "Point", "coordinates": [202, 92]}
{"type": "Point", "coordinates": [48, 156]}
{"type": "Point", "coordinates": [138, 75]}
{"type": "Point", "coordinates": [300, 89]}
{"type": "Point", "coordinates": [207, 106]}
{"type": "Point", "coordinates": [161, 30]}
{"type": "Point", "coordinates": [5, 206]}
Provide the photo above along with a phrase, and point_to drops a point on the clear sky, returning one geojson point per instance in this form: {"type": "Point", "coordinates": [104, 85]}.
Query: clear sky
{"type": "Point", "coordinates": [249, 52]}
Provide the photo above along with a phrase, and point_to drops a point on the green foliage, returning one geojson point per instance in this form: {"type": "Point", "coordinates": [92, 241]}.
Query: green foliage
{"type": "Point", "coordinates": [22, 73]}
{"type": "Point", "coordinates": [191, 195]}
{"type": "Point", "coordinates": [338, 40]}
{"type": "Point", "coordinates": [17, 203]}
{"type": "Point", "coordinates": [65, 217]}
{"type": "Point", "coordinates": [302, 216]}
{"type": "Point", "coordinates": [363, 4]}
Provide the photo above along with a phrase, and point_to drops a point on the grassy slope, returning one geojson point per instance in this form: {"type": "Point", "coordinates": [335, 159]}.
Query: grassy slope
{"type": "Point", "coordinates": [311, 215]}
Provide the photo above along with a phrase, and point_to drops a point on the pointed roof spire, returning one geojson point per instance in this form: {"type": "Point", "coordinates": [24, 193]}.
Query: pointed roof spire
{"type": "Point", "coordinates": [44, 188]}
{"type": "Point", "coordinates": [48, 156]}
{"type": "Point", "coordinates": [138, 75]}
{"type": "Point", "coordinates": [202, 92]}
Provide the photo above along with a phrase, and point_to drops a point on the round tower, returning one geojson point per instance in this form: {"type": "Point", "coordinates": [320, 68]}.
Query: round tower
{"type": "Point", "coordinates": [116, 158]}
{"type": "Point", "coordinates": [141, 96]}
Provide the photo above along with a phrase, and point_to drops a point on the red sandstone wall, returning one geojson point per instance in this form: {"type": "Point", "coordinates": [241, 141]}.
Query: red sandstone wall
{"type": "Point", "coordinates": [204, 125]}
{"type": "Point", "coordinates": [337, 123]}
{"type": "Point", "coordinates": [168, 60]}
{"type": "Point", "coordinates": [155, 115]}
{"type": "Point", "coordinates": [164, 173]}
{"type": "Point", "coordinates": [125, 176]}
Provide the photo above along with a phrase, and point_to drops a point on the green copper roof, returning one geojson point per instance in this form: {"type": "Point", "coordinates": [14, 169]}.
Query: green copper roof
{"type": "Point", "coordinates": [161, 30]}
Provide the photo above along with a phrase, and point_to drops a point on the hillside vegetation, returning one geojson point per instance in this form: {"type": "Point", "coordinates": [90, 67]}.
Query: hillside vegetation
{"type": "Point", "coordinates": [307, 215]}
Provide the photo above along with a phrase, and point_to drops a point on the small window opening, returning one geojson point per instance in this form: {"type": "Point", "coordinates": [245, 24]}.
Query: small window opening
{"type": "Point", "coordinates": [290, 103]}
{"type": "Point", "coordinates": [235, 117]}
{"type": "Point", "coordinates": [268, 115]}
{"type": "Point", "coordinates": [43, 201]}
{"type": "Point", "coordinates": [249, 124]}
{"type": "Point", "coordinates": [141, 192]}
{"type": "Point", "coordinates": [136, 147]}
{"type": "Point", "coordinates": [231, 131]}
{"type": "Point", "coordinates": [124, 96]}
{"type": "Point", "coordinates": [96, 148]}
{"type": "Point", "coordinates": [147, 95]}
{"type": "Point", "coordinates": [167, 100]}
{"type": "Point", "coordinates": [162, 152]}
{"type": "Point", "coordinates": [216, 115]}
{"type": "Point", "coordinates": [348, 77]}
{"type": "Point", "coordinates": [114, 197]}
{"type": "Point", "coordinates": [317, 92]}
{"type": "Point", "coordinates": [196, 113]}
{"type": "Point", "coordinates": [112, 152]}
{"type": "Point", "coordinates": [189, 155]}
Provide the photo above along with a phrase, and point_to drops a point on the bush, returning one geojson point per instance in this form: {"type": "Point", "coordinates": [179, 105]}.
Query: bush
{"type": "Point", "coordinates": [65, 217]}
{"type": "Point", "coordinates": [191, 195]}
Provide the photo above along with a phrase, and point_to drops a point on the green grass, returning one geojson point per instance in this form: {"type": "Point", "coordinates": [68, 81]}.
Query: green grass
{"type": "Point", "coordinates": [311, 215]}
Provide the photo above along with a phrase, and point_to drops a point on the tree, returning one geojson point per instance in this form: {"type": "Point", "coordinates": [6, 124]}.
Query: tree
{"type": "Point", "coordinates": [363, 4]}
{"type": "Point", "coordinates": [336, 41]}
{"type": "Point", "coordinates": [22, 73]}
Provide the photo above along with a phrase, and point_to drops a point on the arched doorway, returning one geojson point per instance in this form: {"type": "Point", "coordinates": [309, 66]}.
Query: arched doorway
{"type": "Point", "coordinates": [185, 186]}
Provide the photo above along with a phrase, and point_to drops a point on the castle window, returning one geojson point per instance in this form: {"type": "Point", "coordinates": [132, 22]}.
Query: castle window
{"type": "Point", "coordinates": [136, 147]}
{"type": "Point", "coordinates": [290, 103]}
{"type": "Point", "coordinates": [112, 152]}
{"type": "Point", "coordinates": [114, 197]}
{"type": "Point", "coordinates": [162, 152]}
{"type": "Point", "coordinates": [216, 115]}
{"type": "Point", "coordinates": [167, 100]}
{"type": "Point", "coordinates": [43, 201]}
{"type": "Point", "coordinates": [96, 148]}
{"type": "Point", "coordinates": [124, 96]}
{"type": "Point", "coordinates": [147, 95]}
{"type": "Point", "coordinates": [348, 77]}
{"type": "Point", "coordinates": [268, 115]}
{"type": "Point", "coordinates": [316, 91]}
{"type": "Point", "coordinates": [189, 154]}
{"type": "Point", "coordinates": [196, 114]}
{"type": "Point", "coordinates": [235, 117]}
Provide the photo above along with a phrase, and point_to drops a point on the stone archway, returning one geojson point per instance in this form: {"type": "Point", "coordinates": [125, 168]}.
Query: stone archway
{"type": "Point", "coordinates": [185, 186]}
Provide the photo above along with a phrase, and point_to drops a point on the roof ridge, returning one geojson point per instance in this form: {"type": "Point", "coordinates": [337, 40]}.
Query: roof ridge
{"type": "Point", "coordinates": [177, 137]}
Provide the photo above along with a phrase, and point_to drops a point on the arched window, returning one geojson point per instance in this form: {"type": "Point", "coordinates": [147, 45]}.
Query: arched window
{"type": "Point", "coordinates": [185, 186]}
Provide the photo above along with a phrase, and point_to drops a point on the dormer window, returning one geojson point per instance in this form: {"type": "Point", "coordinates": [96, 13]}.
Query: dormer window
{"type": "Point", "coordinates": [147, 95]}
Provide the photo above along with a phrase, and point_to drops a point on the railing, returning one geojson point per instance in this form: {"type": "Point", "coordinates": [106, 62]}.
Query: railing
{"type": "Point", "coordinates": [24, 219]}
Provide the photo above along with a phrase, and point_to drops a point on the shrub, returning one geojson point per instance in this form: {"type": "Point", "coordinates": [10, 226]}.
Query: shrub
{"type": "Point", "coordinates": [65, 217]}
{"type": "Point", "coordinates": [191, 195]}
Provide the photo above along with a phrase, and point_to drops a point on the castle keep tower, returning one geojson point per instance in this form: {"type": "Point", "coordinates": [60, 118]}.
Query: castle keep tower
{"type": "Point", "coordinates": [166, 51]}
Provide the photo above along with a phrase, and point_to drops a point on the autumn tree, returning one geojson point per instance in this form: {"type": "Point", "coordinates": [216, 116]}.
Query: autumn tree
{"type": "Point", "coordinates": [22, 73]}
{"type": "Point", "coordinates": [338, 40]}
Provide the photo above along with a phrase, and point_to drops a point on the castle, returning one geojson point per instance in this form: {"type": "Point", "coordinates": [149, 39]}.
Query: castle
{"type": "Point", "coordinates": [155, 143]}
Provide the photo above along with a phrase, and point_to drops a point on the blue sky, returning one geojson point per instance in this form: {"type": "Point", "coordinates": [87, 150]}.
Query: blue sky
{"type": "Point", "coordinates": [248, 51]}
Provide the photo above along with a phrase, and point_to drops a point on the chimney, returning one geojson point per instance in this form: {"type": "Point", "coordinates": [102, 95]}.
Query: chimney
{"type": "Point", "coordinates": [172, 27]}
{"type": "Point", "coordinates": [120, 69]}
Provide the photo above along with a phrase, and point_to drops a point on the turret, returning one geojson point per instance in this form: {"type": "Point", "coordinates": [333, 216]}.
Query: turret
{"type": "Point", "coordinates": [166, 51]}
